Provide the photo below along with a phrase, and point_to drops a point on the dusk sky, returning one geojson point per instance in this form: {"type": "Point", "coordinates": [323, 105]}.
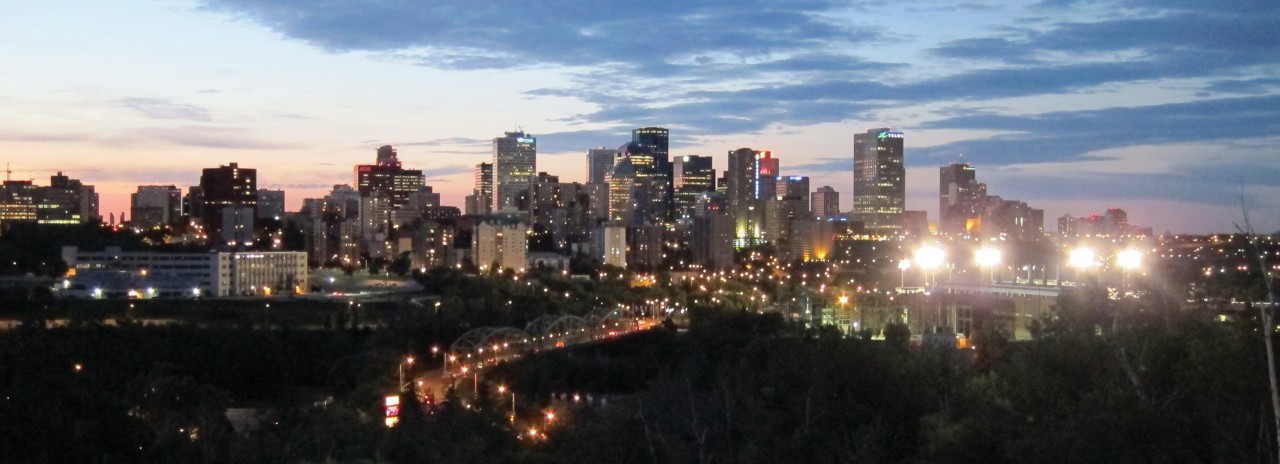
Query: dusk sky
{"type": "Point", "coordinates": [1168, 109]}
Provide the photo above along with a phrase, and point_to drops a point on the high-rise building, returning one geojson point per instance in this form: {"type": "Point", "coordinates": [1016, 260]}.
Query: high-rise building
{"type": "Point", "coordinates": [270, 204]}
{"type": "Point", "coordinates": [741, 179]}
{"type": "Point", "coordinates": [388, 179]}
{"type": "Point", "coordinates": [693, 176]}
{"type": "Point", "coordinates": [879, 181]}
{"type": "Point", "coordinates": [623, 190]}
{"type": "Point", "coordinates": [501, 240]}
{"type": "Point", "coordinates": [515, 165]}
{"type": "Point", "coordinates": [961, 199]}
{"type": "Point", "coordinates": [155, 205]}
{"type": "Point", "coordinates": [66, 201]}
{"type": "Point", "coordinates": [826, 202]}
{"type": "Point", "coordinates": [654, 142]}
{"type": "Point", "coordinates": [796, 188]}
{"type": "Point", "coordinates": [481, 199]}
{"type": "Point", "coordinates": [228, 191]}
{"type": "Point", "coordinates": [599, 163]}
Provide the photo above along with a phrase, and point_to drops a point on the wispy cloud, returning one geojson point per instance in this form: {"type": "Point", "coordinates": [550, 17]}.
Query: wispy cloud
{"type": "Point", "coordinates": [158, 108]}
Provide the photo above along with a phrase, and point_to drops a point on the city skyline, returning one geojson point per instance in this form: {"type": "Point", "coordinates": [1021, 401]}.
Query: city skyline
{"type": "Point", "coordinates": [1159, 110]}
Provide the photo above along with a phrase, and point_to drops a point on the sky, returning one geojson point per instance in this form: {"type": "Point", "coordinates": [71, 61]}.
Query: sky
{"type": "Point", "coordinates": [1168, 109]}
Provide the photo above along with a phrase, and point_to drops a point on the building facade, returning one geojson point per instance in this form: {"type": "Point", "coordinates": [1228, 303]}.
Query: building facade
{"type": "Point", "coordinates": [879, 181]}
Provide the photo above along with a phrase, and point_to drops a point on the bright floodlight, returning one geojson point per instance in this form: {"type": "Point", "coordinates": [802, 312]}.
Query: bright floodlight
{"type": "Point", "coordinates": [1129, 259]}
{"type": "Point", "coordinates": [930, 257]}
{"type": "Point", "coordinates": [1081, 257]}
{"type": "Point", "coordinates": [904, 264]}
{"type": "Point", "coordinates": [987, 257]}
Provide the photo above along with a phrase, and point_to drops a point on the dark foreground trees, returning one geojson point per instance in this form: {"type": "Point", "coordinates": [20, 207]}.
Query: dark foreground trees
{"type": "Point", "coordinates": [1103, 381]}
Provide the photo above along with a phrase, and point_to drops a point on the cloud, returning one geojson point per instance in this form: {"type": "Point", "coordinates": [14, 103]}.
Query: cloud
{"type": "Point", "coordinates": [157, 108]}
{"type": "Point", "coordinates": [1070, 135]}
{"type": "Point", "coordinates": [197, 136]}
{"type": "Point", "coordinates": [447, 170]}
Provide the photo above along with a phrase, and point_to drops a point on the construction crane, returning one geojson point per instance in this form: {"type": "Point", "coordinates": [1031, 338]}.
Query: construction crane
{"type": "Point", "coordinates": [8, 171]}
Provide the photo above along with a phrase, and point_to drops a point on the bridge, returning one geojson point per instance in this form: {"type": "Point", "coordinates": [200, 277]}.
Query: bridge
{"type": "Point", "coordinates": [484, 347]}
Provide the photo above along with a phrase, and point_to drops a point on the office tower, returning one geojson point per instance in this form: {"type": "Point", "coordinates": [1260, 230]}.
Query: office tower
{"type": "Point", "coordinates": [766, 181]}
{"type": "Point", "coordinates": [270, 204]}
{"type": "Point", "coordinates": [481, 199]}
{"type": "Point", "coordinates": [692, 176]}
{"type": "Point", "coordinates": [879, 181]}
{"type": "Point", "coordinates": [515, 166]}
{"type": "Point", "coordinates": [229, 192]}
{"type": "Point", "coordinates": [1012, 219]}
{"type": "Point", "coordinates": [155, 205]}
{"type": "Point", "coordinates": [599, 163]}
{"type": "Point", "coordinates": [740, 195]}
{"type": "Point", "coordinates": [712, 233]}
{"type": "Point", "coordinates": [826, 202]}
{"type": "Point", "coordinates": [387, 178]}
{"type": "Point", "coordinates": [1117, 221]}
{"type": "Point", "coordinates": [796, 188]}
{"type": "Point", "coordinates": [17, 201]}
{"type": "Point", "coordinates": [654, 142]}
{"type": "Point", "coordinates": [961, 199]}
{"type": "Point", "coordinates": [622, 192]}
{"type": "Point", "coordinates": [66, 201]}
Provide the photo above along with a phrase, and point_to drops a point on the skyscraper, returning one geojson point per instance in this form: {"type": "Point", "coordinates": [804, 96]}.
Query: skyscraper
{"type": "Point", "coordinates": [230, 202]}
{"type": "Point", "coordinates": [481, 199]}
{"type": "Point", "coordinates": [654, 143]}
{"type": "Point", "coordinates": [155, 205]}
{"type": "Point", "coordinates": [692, 176]}
{"type": "Point", "coordinates": [879, 181]}
{"type": "Point", "coordinates": [515, 166]}
{"type": "Point", "coordinates": [599, 163]}
{"type": "Point", "coordinates": [741, 190]}
{"type": "Point", "coordinates": [388, 179]}
{"type": "Point", "coordinates": [826, 202]}
{"type": "Point", "coordinates": [961, 199]}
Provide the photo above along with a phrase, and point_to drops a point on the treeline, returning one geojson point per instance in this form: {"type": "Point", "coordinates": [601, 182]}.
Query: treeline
{"type": "Point", "coordinates": [1104, 380]}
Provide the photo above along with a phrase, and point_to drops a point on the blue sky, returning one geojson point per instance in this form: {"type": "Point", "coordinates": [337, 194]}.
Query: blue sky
{"type": "Point", "coordinates": [1168, 109]}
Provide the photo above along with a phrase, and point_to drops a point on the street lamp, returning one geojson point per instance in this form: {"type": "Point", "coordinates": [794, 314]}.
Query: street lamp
{"type": "Point", "coordinates": [1129, 260]}
{"type": "Point", "coordinates": [1082, 258]}
{"type": "Point", "coordinates": [929, 258]}
{"type": "Point", "coordinates": [902, 272]}
{"type": "Point", "coordinates": [988, 258]}
{"type": "Point", "coordinates": [503, 389]}
{"type": "Point", "coordinates": [546, 423]}
{"type": "Point", "coordinates": [409, 361]}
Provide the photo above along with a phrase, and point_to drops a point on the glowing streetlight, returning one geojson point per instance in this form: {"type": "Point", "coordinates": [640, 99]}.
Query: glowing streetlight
{"type": "Point", "coordinates": [1129, 259]}
{"type": "Point", "coordinates": [930, 258]}
{"type": "Point", "coordinates": [988, 258]}
{"type": "Point", "coordinates": [902, 272]}
{"type": "Point", "coordinates": [503, 389]}
{"type": "Point", "coordinates": [1082, 258]}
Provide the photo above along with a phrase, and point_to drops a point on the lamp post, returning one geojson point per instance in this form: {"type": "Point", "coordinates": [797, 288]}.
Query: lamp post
{"type": "Point", "coordinates": [407, 360]}
{"type": "Point", "coordinates": [1082, 258]}
{"type": "Point", "coordinates": [929, 258]}
{"type": "Point", "coordinates": [987, 258]}
{"type": "Point", "coordinates": [902, 272]}
{"type": "Point", "coordinates": [1128, 260]}
{"type": "Point", "coordinates": [503, 389]}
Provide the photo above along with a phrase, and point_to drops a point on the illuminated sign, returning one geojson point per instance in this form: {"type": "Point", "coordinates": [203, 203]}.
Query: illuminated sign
{"type": "Point", "coordinates": [391, 406]}
{"type": "Point", "coordinates": [524, 140]}
{"type": "Point", "coordinates": [888, 135]}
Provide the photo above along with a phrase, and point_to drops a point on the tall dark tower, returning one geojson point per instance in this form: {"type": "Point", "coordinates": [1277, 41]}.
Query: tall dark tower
{"type": "Point", "coordinates": [229, 192]}
{"type": "Point", "coordinates": [515, 166]}
{"type": "Point", "coordinates": [960, 199]}
{"type": "Point", "coordinates": [879, 181]}
{"type": "Point", "coordinates": [387, 179]}
{"type": "Point", "coordinates": [654, 142]}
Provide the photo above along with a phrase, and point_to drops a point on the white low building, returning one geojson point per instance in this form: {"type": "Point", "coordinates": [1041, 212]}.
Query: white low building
{"type": "Point", "coordinates": [113, 273]}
